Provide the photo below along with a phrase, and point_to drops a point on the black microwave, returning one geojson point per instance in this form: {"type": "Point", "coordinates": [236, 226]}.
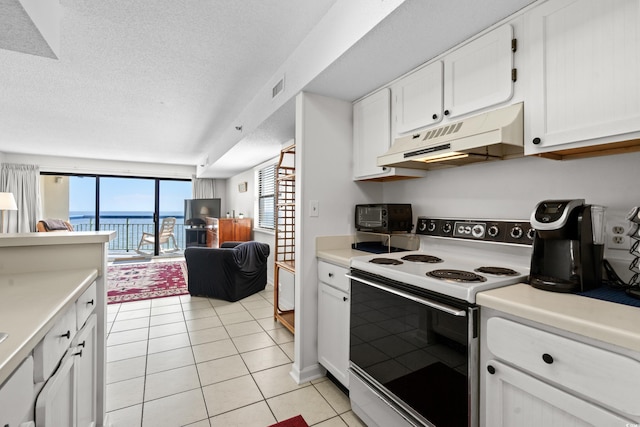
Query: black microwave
{"type": "Point", "coordinates": [384, 218]}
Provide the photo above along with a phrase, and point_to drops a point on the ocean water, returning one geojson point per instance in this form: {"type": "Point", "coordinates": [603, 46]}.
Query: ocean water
{"type": "Point", "coordinates": [129, 227]}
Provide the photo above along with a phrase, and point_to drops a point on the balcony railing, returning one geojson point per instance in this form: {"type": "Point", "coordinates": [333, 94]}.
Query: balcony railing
{"type": "Point", "coordinates": [128, 229]}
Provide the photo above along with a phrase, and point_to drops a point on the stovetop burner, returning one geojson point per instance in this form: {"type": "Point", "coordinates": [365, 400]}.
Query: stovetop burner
{"type": "Point", "coordinates": [386, 261]}
{"type": "Point", "coordinates": [498, 271]}
{"type": "Point", "coordinates": [422, 258]}
{"type": "Point", "coordinates": [457, 276]}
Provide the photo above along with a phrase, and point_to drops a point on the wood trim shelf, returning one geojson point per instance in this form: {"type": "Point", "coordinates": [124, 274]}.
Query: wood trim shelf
{"type": "Point", "coordinates": [285, 231]}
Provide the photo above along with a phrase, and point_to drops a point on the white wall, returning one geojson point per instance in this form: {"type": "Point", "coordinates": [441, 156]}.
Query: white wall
{"type": "Point", "coordinates": [54, 192]}
{"type": "Point", "coordinates": [510, 189]}
{"type": "Point", "coordinates": [323, 173]}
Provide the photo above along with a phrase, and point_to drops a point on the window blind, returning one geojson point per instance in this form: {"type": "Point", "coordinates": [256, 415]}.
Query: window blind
{"type": "Point", "coordinates": [266, 197]}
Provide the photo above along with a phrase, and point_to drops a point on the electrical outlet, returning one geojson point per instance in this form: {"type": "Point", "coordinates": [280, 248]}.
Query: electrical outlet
{"type": "Point", "coordinates": [616, 236]}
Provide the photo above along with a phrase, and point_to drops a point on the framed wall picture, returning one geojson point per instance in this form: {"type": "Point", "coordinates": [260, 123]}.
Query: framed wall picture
{"type": "Point", "coordinates": [242, 187]}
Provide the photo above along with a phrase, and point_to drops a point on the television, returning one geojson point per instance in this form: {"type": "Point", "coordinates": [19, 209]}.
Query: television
{"type": "Point", "coordinates": [196, 210]}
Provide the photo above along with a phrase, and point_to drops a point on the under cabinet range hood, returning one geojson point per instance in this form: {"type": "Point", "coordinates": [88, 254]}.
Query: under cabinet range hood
{"type": "Point", "coordinates": [494, 135]}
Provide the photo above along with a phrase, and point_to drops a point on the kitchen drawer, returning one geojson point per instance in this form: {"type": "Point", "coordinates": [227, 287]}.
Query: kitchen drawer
{"type": "Point", "coordinates": [16, 395]}
{"type": "Point", "coordinates": [601, 375]}
{"type": "Point", "coordinates": [49, 351]}
{"type": "Point", "coordinates": [333, 275]}
{"type": "Point", "coordinates": [85, 305]}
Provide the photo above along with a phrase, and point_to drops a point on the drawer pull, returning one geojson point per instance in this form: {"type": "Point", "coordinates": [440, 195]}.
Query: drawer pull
{"type": "Point", "coordinates": [78, 353]}
{"type": "Point", "coordinates": [547, 358]}
{"type": "Point", "coordinates": [344, 298]}
{"type": "Point", "coordinates": [90, 302]}
{"type": "Point", "coordinates": [82, 344]}
{"type": "Point", "coordinates": [491, 369]}
{"type": "Point", "coordinates": [330, 274]}
{"type": "Point", "coordinates": [67, 335]}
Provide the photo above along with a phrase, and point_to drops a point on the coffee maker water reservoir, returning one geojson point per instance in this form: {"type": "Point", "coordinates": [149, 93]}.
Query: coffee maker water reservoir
{"type": "Point", "coordinates": [565, 257]}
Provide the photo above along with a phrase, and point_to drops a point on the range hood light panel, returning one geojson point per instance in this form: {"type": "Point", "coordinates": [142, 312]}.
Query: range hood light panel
{"type": "Point", "coordinates": [443, 157]}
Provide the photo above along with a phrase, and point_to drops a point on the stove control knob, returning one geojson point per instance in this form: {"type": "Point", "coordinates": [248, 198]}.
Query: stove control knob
{"type": "Point", "coordinates": [422, 226]}
{"type": "Point", "coordinates": [493, 231]}
{"type": "Point", "coordinates": [531, 233]}
{"type": "Point", "coordinates": [431, 227]}
{"type": "Point", "coordinates": [477, 231]}
{"type": "Point", "coordinates": [516, 232]}
{"type": "Point", "coordinates": [447, 227]}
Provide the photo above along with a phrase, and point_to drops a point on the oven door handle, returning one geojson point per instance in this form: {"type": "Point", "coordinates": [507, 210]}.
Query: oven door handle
{"type": "Point", "coordinates": [424, 301]}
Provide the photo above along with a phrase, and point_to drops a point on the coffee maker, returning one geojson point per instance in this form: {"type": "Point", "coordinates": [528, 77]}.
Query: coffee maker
{"type": "Point", "coordinates": [565, 256]}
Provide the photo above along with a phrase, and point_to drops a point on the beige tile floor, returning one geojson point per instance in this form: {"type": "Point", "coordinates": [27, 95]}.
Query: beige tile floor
{"type": "Point", "coordinates": [188, 361]}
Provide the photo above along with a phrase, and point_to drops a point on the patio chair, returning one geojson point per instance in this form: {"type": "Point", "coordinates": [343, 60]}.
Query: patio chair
{"type": "Point", "coordinates": [165, 236]}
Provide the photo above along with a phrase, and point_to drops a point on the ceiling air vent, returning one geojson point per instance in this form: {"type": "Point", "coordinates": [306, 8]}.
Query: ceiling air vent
{"type": "Point", "coordinates": [278, 88]}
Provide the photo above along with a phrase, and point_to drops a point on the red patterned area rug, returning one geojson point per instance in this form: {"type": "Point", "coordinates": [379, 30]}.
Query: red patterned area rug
{"type": "Point", "coordinates": [296, 421]}
{"type": "Point", "coordinates": [136, 282]}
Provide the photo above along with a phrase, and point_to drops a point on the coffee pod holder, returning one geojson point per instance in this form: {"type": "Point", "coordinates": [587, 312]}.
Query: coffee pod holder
{"type": "Point", "coordinates": [634, 234]}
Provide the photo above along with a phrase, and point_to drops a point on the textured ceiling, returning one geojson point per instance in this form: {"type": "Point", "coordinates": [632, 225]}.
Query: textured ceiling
{"type": "Point", "coordinates": [160, 81]}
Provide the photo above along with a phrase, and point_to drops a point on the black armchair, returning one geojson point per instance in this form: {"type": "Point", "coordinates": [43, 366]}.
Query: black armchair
{"type": "Point", "coordinates": [231, 272]}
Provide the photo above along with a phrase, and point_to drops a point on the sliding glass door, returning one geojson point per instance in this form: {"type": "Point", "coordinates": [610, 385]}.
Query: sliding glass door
{"type": "Point", "coordinates": [146, 213]}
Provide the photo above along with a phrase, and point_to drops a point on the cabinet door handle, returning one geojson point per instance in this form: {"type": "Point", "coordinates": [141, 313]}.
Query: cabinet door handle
{"type": "Point", "coordinates": [547, 358]}
{"type": "Point", "coordinates": [330, 274]}
{"type": "Point", "coordinates": [78, 353]}
{"type": "Point", "coordinates": [536, 141]}
{"type": "Point", "coordinates": [67, 335]}
{"type": "Point", "coordinates": [344, 299]}
{"type": "Point", "coordinates": [82, 344]}
{"type": "Point", "coordinates": [491, 369]}
{"type": "Point", "coordinates": [434, 117]}
{"type": "Point", "coordinates": [90, 302]}
{"type": "Point", "coordinates": [447, 112]}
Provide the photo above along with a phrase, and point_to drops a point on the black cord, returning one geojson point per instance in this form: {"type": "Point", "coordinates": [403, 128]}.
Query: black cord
{"type": "Point", "coordinates": [613, 280]}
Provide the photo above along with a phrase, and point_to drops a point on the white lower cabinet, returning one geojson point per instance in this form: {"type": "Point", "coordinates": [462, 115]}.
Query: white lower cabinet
{"type": "Point", "coordinates": [534, 377]}
{"type": "Point", "coordinates": [16, 396]}
{"type": "Point", "coordinates": [517, 399]}
{"type": "Point", "coordinates": [333, 320]}
{"type": "Point", "coordinates": [68, 398]}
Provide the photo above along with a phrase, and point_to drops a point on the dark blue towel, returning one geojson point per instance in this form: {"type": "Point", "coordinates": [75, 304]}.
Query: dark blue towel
{"type": "Point", "coordinates": [610, 294]}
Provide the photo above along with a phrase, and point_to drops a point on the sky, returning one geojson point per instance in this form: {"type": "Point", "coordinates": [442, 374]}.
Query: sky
{"type": "Point", "coordinates": [127, 194]}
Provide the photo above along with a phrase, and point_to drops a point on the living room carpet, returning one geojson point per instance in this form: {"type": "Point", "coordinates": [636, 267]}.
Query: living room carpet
{"type": "Point", "coordinates": [296, 421]}
{"type": "Point", "coordinates": [136, 282]}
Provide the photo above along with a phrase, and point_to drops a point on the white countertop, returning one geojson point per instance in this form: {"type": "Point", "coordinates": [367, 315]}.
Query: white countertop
{"type": "Point", "coordinates": [55, 238]}
{"type": "Point", "coordinates": [337, 249]}
{"type": "Point", "coordinates": [30, 303]}
{"type": "Point", "coordinates": [605, 321]}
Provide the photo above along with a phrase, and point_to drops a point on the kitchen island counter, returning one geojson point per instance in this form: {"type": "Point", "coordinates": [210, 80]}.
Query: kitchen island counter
{"type": "Point", "coordinates": [608, 322]}
{"type": "Point", "coordinates": [30, 303]}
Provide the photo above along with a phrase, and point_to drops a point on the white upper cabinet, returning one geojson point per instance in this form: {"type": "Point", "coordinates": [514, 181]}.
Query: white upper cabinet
{"type": "Point", "coordinates": [372, 138]}
{"type": "Point", "coordinates": [479, 74]}
{"type": "Point", "coordinates": [473, 77]}
{"type": "Point", "coordinates": [584, 66]}
{"type": "Point", "coordinates": [418, 99]}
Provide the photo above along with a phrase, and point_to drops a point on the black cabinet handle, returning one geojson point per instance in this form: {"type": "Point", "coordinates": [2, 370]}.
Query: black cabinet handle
{"type": "Point", "coordinates": [491, 369]}
{"type": "Point", "coordinates": [547, 358]}
{"type": "Point", "coordinates": [447, 112]}
{"type": "Point", "coordinates": [90, 302]}
{"type": "Point", "coordinates": [67, 335]}
{"type": "Point", "coordinates": [330, 274]}
{"type": "Point", "coordinates": [434, 117]}
{"type": "Point", "coordinates": [536, 140]}
{"type": "Point", "coordinates": [78, 353]}
{"type": "Point", "coordinates": [344, 298]}
{"type": "Point", "coordinates": [82, 344]}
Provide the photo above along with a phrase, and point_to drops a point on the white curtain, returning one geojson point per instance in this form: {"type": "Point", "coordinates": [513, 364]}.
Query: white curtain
{"type": "Point", "coordinates": [24, 182]}
{"type": "Point", "coordinates": [203, 188]}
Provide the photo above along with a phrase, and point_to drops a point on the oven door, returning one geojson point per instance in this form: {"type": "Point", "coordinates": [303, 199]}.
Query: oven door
{"type": "Point", "coordinates": [418, 353]}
